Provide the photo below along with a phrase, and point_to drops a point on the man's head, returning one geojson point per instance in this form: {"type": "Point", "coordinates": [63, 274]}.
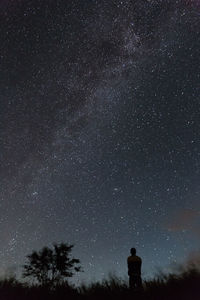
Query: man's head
{"type": "Point", "coordinates": [133, 251]}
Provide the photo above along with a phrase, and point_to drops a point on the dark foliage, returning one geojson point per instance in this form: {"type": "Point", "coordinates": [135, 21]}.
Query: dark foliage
{"type": "Point", "coordinates": [51, 267]}
{"type": "Point", "coordinates": [183, 286]}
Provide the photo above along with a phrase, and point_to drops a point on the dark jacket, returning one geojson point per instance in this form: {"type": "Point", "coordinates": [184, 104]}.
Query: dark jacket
{"type": "Point", "coordinates": [134, 265]}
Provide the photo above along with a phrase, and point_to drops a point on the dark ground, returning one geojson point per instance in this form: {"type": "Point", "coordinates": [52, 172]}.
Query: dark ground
{"type": "Point", "coordinates": [182, 286]}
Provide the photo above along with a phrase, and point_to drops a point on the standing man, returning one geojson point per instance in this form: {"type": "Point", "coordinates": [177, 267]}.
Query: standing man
{"type": "Point", "coordinates": [134, 270]}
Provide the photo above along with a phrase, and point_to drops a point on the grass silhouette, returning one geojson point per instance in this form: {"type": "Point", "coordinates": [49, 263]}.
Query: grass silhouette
{"type": "Point", "coordinates": [184, 285]}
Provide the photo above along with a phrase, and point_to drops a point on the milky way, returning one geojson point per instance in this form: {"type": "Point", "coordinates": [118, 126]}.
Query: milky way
{"type": "Point", "coordinates": [100, 131]}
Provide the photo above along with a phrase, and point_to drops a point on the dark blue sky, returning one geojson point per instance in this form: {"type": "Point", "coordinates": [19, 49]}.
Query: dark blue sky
{"type": "Point", "coordinates": [100, 131]}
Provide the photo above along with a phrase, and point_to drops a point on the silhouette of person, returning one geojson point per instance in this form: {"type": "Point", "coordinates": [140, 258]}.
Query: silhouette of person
{"type": "Point", "coordinates": [134, 270]}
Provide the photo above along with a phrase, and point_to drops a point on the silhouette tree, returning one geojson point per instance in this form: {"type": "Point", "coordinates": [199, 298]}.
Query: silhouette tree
{"type": "Point", "coordinates": [51, 266]}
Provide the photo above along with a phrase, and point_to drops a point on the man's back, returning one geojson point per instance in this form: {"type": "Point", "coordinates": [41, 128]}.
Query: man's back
{"type": "Point", "coordinates": [134, 265]}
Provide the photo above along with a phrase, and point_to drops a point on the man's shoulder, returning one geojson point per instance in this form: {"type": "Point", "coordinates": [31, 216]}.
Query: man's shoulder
{"type": "Point", "coordinates": [134, 258]}
{"type": "Point", "coordinates": [138, 258]}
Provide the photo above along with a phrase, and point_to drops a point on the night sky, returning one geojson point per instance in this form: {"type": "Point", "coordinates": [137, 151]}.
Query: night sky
{"type": "Point", "coordinates": [100, 131]}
